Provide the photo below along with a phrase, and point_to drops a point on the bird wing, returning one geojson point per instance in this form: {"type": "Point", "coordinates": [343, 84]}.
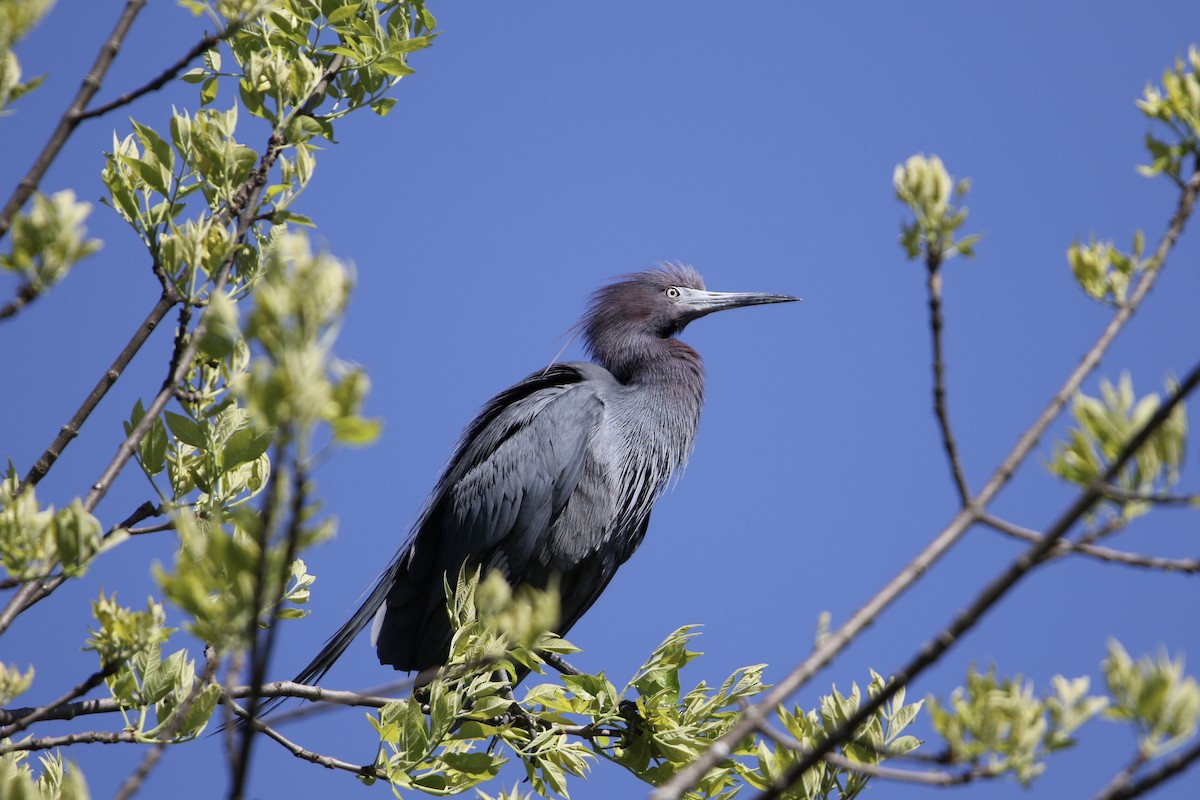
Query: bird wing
{"type": "Point", "coordinates": [496, 505]}
{"type": "Point", "coordinates": [548, 415]}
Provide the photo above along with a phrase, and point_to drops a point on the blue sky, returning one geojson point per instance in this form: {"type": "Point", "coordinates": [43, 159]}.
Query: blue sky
{"type": "Point", "coordinates": [543, 148]}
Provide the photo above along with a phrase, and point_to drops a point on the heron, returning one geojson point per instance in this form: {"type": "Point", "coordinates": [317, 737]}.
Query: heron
{"type": "Point", "coordinates": [556, 477]}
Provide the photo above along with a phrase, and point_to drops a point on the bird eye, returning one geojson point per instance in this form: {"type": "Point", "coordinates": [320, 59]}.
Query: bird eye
{"type": "Point", "coordinates": [673, 292]}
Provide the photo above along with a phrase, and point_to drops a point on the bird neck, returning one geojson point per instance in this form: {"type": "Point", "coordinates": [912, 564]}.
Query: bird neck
{"type": "Point", "coordinates": [652, 361]}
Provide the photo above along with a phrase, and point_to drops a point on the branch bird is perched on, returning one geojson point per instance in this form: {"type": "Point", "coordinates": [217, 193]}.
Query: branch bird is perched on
{"type": "Point", "coordinates": [558, 474]}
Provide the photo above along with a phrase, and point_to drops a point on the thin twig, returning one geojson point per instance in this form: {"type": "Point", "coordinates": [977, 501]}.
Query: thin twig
{"type": "Point", "coordinates": [559, 663]}
{"type": "Point", "coordinates": [91, 682]}
{"type": "Point", "coordinates": [1125, 774]}
{"type": "Point", "coordinates": [168, 74]}
{"type": "Point", "coordinates": [71, 117]}
{"type": "Point", "coordinates": [362, 770]}
{"type": "Point", "coordinates": [110, 376]}
{"type": "Point", "coordinates": [985, 600]}
{"type": "Point", "coordinates": [108, 705]}
{"type": "Point", "coordinates": [687, 777]}
{"type": "Point", "coordinates": [87, 737]}
{"type": "Point", "coordinates": [160, 527]}
{"type": "Point", "coordinates": [1065, 547]}
{"type": "Point", "coordinates": [1169, 769]}
{"type": "Point", "coordinates": [933, 263]}
{"type": "Point", "coordinates": [1126, 496]}
{"type": "Point", "coordinates": [25, 295]}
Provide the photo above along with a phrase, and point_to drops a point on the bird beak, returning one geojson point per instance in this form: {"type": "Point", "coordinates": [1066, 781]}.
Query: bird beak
{"type": "Point", "coordinates": [699, 302]}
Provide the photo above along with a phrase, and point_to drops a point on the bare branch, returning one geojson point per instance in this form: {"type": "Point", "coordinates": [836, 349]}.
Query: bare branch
{"type": "Point", "coordinates": [108, 705]}
{"type": "Point", "coordinates": [25, 295]}
{"type": "Point", "coordinates": [1170, 768]}
{"type": "Point", "coordinates": [87, 737]}
{"type": "Point", "coordinates": [363, 770]}
{"type": "Point", "coordinates": [1064, 547]}
{"type": "Point", "coordinates": [42, 712]}
{"type": "Point", "coordinates": [835, 642]}
{"type": "Point", "coordinates": [168, 74]}
{"type": "Point", "coordinates": [933, 263]}
{"type": "Point", "coordinates": [110, 376]}
{"type": "Point", "coordinates": [71, 117]}
{"type": "Point", "coordinates": [966, 619]}
{"type": "Point", "coordinates": [1126, 496]}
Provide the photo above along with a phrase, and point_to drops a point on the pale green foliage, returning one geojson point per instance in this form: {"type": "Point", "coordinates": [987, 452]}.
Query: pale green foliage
{"type": "Point", "coordinates": [875, 740]}
{"type": "Point", "coordinates": [13, 682]}
{"type": "Point", "coordinates": [57, 781]}
{"type": "Point", "coordinates": [1105, 272]}
{"type": "Point", "coordinates": [48, 240]}
{"type": "Point", "coordinates": [1001, 725]}
{"type": "Point", "coordinates": [924, 185]}
{"type": "Point", "coordinates": [1105, 425]}
{"type": "Point", "coordinates": [652, 727]}
{"type": "Point", "coordinates": [1154, 694]}
{"type": "Point", "coordinates": [123, 632]}
{"type": "Point", "coordinates": [299, 299]}
{"type": "Point", "coordinates": [147, 681]}
{"type": "Point", "coordinates": [280, 59]}
{"type": "Point", "coordinates": [514, 794]}
{"type": "Point", "coordinates": [1177, 105]}
{"type": "Point", "coordinates": [217, 572]}
{"type": "Point", "coordinates": [36, 541]}
{"type": "Point", "coordinates": [17, 18]}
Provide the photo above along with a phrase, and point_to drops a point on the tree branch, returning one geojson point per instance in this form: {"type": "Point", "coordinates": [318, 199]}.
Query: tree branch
{"type": "Point", "coordinates": [966, 619]}
{"type": "Point", "coordinates": [835, 642]}
{"type": "Point", "coordinates": [1125, 496]}
{"type": "Point", "coordinates": [70, 119]}
{"type": "Point", "coordinates": [25, 295]}
{"type": "Point", "coordinates": [69, 431]}
{"type": "Point", "coordinates": [168, 74]}
{"type": "Point", "coordinates": [87, 737]}
{"type": "Point", "coordinates": [1064, 547]}
{"type": "Point", "coordinates": [362, 770]}
{"type": "Point", "coordinates": [933, 263]}
{"type": "Point", "coordinates": [43, 712]}
{"type": "Point", "coordinates": [1123, 790]}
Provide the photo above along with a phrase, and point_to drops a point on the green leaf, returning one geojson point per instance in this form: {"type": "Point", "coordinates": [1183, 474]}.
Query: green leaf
{"type": "Point", "coordinates": [246, 445]}
{"type": "Point", "coordinates": [186, 430]}
{"type": "Point", "coordinates": [356, 430]}
{"type": "Point", "coordinates": [208, 91]}
{"type": "Point", "coordinates": [153, 450]}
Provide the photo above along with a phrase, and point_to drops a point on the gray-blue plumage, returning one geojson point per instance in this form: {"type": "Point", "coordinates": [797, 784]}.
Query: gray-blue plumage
{"type": "Point", "coordinates": [558, 474]}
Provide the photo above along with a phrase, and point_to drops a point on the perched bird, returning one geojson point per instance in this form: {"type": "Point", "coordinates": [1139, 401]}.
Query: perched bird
{"type": "Point", "coordinates": [558, 474]}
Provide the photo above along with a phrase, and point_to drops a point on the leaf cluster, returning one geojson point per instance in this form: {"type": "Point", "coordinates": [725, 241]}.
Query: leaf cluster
{"type": "Point", "coordinates": [999, 723]}
{"type": "Point", "coordinates": [1155, 695]}
{"type": "Point", "coordinates": [652, 726]}
{"type": "Point", "coordinates": [1104, 425]}
{"type": "Point", "coordinates": [35, 541]}
{"type": "Point", "coordinates": [47, 241]}
{"type": "Point", "coordinates": [1104, 272]}
{"type": "Point", "coordinates": [55, 780]}
{"type": "Point", "coordinates": [1176, 105]}
{"type": "Point", "coordinates": [923, 184]}
{"type": "Point", "coordinates": [17, 19]}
